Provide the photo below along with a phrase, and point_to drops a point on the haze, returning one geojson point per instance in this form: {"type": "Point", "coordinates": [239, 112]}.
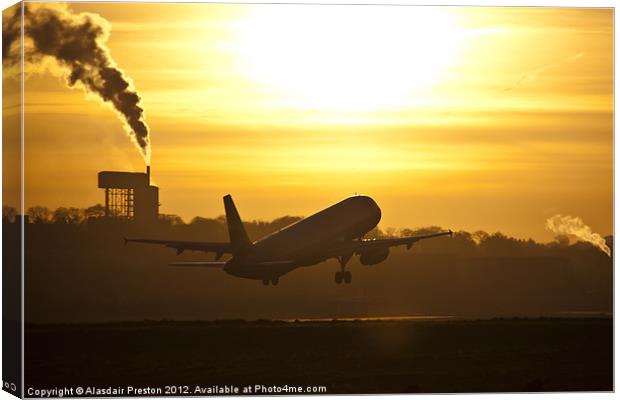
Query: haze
{"type": "Point", "coordinates": [466, 118]}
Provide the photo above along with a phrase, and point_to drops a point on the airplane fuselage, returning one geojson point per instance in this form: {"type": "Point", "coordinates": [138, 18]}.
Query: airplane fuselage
{"type": "Point", "coordinates": [349, 219]}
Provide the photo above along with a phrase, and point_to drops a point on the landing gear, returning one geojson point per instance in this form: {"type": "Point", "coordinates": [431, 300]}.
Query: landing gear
{"type": "Point", "coordinates": [343, 260]}
{"type": "Point", "coordinates": [343, 275]}
{"type": "Point", "coordinates": [347, 276]}
{"type": "Point", "coordinates": [273, 281]}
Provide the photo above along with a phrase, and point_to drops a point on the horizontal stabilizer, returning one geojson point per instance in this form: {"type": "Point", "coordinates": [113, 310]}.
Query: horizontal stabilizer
{"type": "Point", "coordinates": [205, 264]}
{"type": "Point", "coordinates": [180, 246]}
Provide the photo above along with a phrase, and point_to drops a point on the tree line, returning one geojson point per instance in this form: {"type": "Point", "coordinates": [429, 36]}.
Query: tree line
{"type": "Point", "coordinates": [75, 215]}
{"type": "Point", "coordinates": [462, 242]}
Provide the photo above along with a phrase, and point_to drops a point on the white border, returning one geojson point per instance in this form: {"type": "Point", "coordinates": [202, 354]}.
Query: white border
{"type": "Point", "coordinates": [491, 3]}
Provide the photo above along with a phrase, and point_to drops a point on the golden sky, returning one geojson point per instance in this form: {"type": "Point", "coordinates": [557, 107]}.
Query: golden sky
{"type": "Point", "coordinates": [463, 117]}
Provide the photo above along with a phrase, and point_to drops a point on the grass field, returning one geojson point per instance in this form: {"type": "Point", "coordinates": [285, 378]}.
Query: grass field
{"type": "Point", "coordinates": [398, 356]}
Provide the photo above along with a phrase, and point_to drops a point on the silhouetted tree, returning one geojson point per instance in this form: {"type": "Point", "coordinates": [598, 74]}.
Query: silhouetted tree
{"type": "Point", "coordinates": [9, 213]}
{"type": "Point", "coordinates": [421, 231]}
{"type": "Point", "coordinates": [479, 236]}
{"type": "Point", "coordinates": [201, 224]}
{"type": "Point", "coordinates": [39, 214]}
{"type": "Point", "coordinates": [283, 222]}
{"type": "Point", "coordinates": [562, 240]}
{"type": "Point", "coordinates": [391, 232]}
{"type": "Point", "coordinates": [64, 215]}
{"type": "Point", "coordinates": [96, 211]}
{"type": "Point", "coordinates": [500, 244]}
{"type": "Point", "coordinates": [171, 219]}
{"type": "Point", "coordinates": [374, 233]}
{"type": "Point", "coordinates": [205, 221]}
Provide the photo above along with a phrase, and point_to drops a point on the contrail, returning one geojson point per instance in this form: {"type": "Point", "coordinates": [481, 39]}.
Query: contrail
{"type": "Point", "coordinates": [567, 225]}
{"type": "Point", "coordinates": [76, 42]}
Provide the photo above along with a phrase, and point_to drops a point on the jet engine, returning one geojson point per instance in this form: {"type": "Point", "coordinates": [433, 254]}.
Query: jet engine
{"type": "Point", "coordinates": [372, 257]}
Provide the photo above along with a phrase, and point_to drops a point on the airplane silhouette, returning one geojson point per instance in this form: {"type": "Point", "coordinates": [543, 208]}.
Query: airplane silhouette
{"type": "Point", "coordinates": [335, 232]}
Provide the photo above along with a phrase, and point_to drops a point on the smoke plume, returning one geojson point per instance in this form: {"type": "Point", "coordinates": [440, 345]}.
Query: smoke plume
{"type": "Point", "coordinates": [76, 42]}
{"type": "Point", "coordinates": [567, 225]}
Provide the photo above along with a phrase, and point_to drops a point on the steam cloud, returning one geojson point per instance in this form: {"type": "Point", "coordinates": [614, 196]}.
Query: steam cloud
{"type": "Point", "coordinates": [76, 42]}
{"type": "Point", "coordinates": [567, 225]}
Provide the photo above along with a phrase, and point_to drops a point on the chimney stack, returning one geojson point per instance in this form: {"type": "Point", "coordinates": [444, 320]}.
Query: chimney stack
{"type": "Point", "coordinates": [148, 175]}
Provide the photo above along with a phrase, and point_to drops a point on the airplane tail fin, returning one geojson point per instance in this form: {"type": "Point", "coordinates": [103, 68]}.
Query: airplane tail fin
{"type": "Point", "coordinates": [238, 237]}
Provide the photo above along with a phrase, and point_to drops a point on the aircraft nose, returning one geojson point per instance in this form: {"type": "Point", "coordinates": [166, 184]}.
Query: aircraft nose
{"type": "Point", "coordinates": [374, 212]}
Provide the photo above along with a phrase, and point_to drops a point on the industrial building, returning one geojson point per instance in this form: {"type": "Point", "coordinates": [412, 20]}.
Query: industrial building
{"type": "Point", "coordinates": [130, 195]}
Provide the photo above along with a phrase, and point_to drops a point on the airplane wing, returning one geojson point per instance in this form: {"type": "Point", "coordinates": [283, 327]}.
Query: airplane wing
{"type": "Point", "coordinates": [407, 241]}
{"type": "Point", "coordinates": [357, 246]}
{"type": "Point", "coordinates": [218, 248]}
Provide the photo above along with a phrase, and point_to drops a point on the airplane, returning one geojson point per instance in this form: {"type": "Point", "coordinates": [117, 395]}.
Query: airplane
{"type": "Point", "coordinates": [335, 232]}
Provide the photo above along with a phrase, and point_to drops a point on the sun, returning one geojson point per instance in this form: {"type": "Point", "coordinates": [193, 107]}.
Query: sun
{"type": "Point", "coordinates": [346, 59]}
